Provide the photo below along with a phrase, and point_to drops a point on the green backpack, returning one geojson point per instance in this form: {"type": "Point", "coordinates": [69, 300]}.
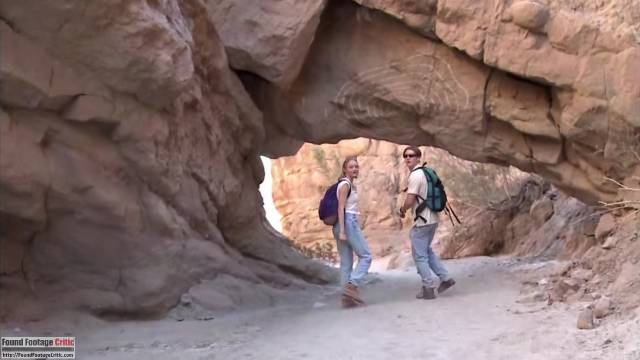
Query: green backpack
{"type": "Point", "coordinates": [436, 196]}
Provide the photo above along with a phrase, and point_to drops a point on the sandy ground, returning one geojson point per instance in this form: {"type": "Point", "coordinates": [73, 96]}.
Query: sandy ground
{"type": "Point", "coordinates": [477, 319]}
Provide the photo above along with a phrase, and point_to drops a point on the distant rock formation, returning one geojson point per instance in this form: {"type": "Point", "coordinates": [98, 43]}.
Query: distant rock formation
{"type": "Point", "coordinates": [299, 182]}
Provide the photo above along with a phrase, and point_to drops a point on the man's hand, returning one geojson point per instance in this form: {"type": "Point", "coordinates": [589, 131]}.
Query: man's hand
{"type": "Point", "coordinates": [342, 236]}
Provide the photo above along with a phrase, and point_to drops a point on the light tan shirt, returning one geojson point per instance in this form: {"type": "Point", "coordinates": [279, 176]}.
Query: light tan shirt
{"type": "Point", "coordinates": [418, 186]}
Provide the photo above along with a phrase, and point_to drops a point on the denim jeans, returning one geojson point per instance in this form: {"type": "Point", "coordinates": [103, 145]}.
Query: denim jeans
{"type": "Point", "coordinates": [427, 262]}
{"type": "Point", "coordinates": [355, 243]}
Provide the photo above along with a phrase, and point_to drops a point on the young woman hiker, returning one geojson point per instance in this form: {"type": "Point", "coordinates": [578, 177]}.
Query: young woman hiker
{"type": "Point", "coordinates": [349, 236]}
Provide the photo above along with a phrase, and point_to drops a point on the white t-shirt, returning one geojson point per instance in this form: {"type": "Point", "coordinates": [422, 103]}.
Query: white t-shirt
{"type": "Point", "coordinates": [418, 186]}
{"type": "Point", "coordinates": [351, 207]}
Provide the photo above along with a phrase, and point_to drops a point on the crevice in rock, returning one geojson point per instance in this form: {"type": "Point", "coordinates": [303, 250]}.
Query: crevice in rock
{"type": "Point", "coordinates": [51, 75]}
{"type": "Point", "coordinates": [24, 267]}
{"type": "Point", "coordinates": [485, 111]}
{"type": "Point", "coordinates": [204, 185]}
{"type": "Point", "coordinates": [250, 82]}
{"type": "Point", "coordinates": [9, 23]}
{"type": "Point", "coordinates": [556, 123]}
{"type": "Point", "coordinates": [527, 80]}
{"type": "Point", "coordinates": [120, 282]}
{"type": "Point", "coordinates": [530, 148]}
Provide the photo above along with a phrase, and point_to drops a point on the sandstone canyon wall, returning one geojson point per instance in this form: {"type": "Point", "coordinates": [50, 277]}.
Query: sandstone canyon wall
{"type": "Point", "coordinates": [129, 162]}
{"type": "Point", "coordinates": [299, 182]}
{"type": "Point", "coordinates": [130, 130]}
{"type": "Point", "coordinates": [559, 98]}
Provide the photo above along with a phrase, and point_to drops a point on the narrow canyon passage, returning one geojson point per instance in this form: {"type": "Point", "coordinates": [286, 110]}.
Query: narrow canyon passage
{"type": "Point", "coordinates": [479, 318]}
{"type": "Point", "coordinates": [131, 136]}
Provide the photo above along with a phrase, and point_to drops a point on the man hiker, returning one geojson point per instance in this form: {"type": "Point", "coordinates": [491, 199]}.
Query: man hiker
{"type": "Point", "coordinates": [423, 230]}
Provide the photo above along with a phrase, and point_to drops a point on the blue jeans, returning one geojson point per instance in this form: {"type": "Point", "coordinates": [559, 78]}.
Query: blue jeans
{"type": "Point", "coordinates": [355, 243]}
{"type": "Point", "coordinates": [427, 262]}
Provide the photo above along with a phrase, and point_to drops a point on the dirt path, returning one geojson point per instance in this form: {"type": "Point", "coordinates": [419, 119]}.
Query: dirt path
{"type": "Point", "coordinates": [478, 319]}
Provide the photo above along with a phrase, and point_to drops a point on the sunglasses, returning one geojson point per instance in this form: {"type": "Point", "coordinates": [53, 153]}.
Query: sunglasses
{"type": "Point", "coordinates": [409, 155]}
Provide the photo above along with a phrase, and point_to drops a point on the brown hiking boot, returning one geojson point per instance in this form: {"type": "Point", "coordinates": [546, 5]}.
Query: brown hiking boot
{"type": "Point", "coordinates": [445, 285]}
{"type": "Point", "coordinates": [351, 291]}
{"type": "Point", "coordinates": [348, 302]}
{"type": "Point", "coordinates": [426, 293]}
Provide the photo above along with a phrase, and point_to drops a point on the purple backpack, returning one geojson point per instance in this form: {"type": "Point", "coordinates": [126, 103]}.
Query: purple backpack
{"type": "Point", "coordinates": [328, 209]}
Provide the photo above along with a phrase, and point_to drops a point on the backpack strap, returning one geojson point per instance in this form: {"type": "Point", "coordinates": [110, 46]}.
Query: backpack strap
{"type": "Point", "coordinates": [420, 207]}
{"type": "Point", "coordinates": [348, 183]}
{"type": "Point", "coordinates": [449, 210]}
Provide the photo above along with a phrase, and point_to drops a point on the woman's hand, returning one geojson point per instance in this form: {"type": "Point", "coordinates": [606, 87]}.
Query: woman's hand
{"type": "Point", "coordinates": [342, 236]}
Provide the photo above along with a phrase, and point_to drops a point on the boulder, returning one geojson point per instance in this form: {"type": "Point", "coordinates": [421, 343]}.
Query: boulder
{"type": "Point", "coordinates": [541, 210]}
{"type": "Point", "coordinates": [210, 297]}
{"type": "Point", "coordinates": [610, 243]}
{"type": "Point", "coordinates": [270, 39]}
{"type": "Point", "coordinates": [418, 15]}
{"type": "Point", "coordinates": [602, 307]}
{"type": "Point", "coordinates": [564, 288]}
{"type": "Point", "coordinates": [582, 275]}
{"type": "Point", "coordinates": [605, 226]}
{"type": "Point", "coordinates": [585, 319]}
{"type": "Point", "coordinates": [531, 15]}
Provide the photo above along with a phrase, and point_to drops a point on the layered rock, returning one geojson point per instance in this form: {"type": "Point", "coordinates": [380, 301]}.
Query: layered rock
{"type": "Point", "coordinates": [552, 118]}
{"type": "Point", "coordinates": [536, 221]}
{"type": "Point", "coordinates": [269, 38]}
{"type": "Point", "coordinates": [128, 160]}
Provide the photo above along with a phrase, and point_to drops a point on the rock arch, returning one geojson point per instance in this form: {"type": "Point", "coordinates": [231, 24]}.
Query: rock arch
{"type": "Point", "coordinates": [129, 149]}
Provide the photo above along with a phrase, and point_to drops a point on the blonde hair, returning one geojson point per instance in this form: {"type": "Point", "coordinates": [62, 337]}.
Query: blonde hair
{"type": "Point", "coordinates": [346, 162]}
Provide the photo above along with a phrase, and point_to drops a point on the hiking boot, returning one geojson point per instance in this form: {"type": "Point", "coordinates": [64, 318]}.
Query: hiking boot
{"type": "Point", "coordinates": [348, 302]}
{"type": "Point", "coordinates": [426, 293]}
{"type": "Point", "coordinates": [351, 292]}
{"type": "Point", "coordinates": [445, 285]}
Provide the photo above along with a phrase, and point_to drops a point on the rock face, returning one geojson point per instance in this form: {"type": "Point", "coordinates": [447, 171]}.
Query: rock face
{"type": "Point", "coordinates": [129, 149]}
{"type": "Point", "coordinates": [569, 115]}
{"type": "Point", "coordinates": [299, 182]}
{"type": "Point", "coordinates": [605, 226]}
{"type": "Point", "coordinates": [602, 307]}
{"type": "Point", "coordinates": [537, 221]}
{"type": "Point", "coordinates": [125, 179]}
{"type": "Point", "coordinates": [268, 38]}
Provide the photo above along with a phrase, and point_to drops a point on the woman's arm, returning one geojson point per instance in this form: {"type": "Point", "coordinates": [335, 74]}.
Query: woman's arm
{"type": "Point", "coordinates": [343, 193]}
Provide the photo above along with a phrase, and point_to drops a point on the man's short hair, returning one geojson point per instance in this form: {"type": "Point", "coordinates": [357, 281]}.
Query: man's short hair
{"type": "Point", "coordinates": [414, 149]}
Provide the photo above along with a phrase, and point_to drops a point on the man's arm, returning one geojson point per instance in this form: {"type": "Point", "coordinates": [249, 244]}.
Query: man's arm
{"type": "Point", "coordinates": [412, 189]}
{"type": "Point", "coordinates": [409, 201]}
